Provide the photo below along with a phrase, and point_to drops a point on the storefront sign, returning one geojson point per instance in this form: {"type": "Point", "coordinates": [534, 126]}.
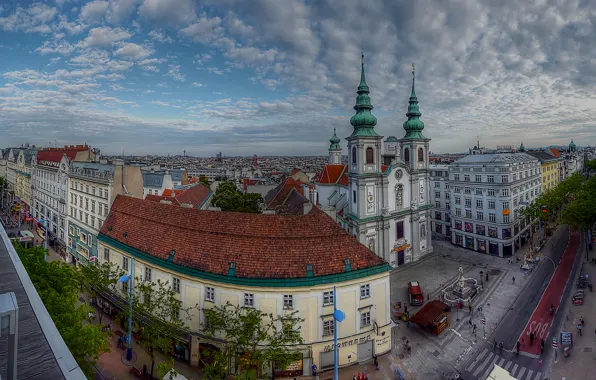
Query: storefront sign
{"type": "Point", "coordinates": [382, 341]}
{"type": "Point", "coordinates": [347, 343]}
{"type": "Point", "coordinates": [49, 163]}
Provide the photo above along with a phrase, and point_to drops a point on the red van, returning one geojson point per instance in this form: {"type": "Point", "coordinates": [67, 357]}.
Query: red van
{"type": "Point", "coordinates": [415, 292]}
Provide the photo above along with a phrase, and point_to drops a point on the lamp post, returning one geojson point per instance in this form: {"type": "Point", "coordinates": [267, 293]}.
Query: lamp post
{"type": "Point", "coordinates": [128, 278]}
{"type": "Point", "coordinates": [338, 316]}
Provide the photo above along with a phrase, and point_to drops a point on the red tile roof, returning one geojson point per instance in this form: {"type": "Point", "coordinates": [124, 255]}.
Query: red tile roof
{"type": "Point", "coordinates": [555, 152]}
{"type": "Point", "coordinates": [55, 155]}
{"type": "Point", "coordinates": [343, 180]}
{"type": "Point", "coordinates": [331, 174]}
{"type": "Point", "coordinates": [195, 195]}
{"type": "Point", "coordinates": [261, 246]}
{"type": "Point", "coordinates": [296, 170]}
{"type": "Point", "coordinates": [277, 196]}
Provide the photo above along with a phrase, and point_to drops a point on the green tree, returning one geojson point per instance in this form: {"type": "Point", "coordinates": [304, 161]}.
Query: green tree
{"type": "Point", "coordinates": [204, 180]}
{"type": "Point", "coordinates": [58, 285]}
{"type": "Point", "coordinates": [580, 213]}
{"type": "Point", "coordinates": [591, 165]}
{"type": "Point", "coordinates": [263, 337]}
{"type": "Point", "coordinates": [99, 279]}
{"type": "Point", "coordinates": [228, 198]}
{"type": "Point", "coordinates": [158, 316]}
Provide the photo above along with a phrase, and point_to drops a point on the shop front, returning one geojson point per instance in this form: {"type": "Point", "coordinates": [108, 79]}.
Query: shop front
{"type": "Point", "coordinates": [401, 248]}
{"type": "Point", "coordinates": [355, 349]}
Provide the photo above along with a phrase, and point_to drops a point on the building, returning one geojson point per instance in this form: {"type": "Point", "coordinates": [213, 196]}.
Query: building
{"type": "Point", "coordinates": [549, 169]}
{"type": "Point", "coordinates": [288, 198]}
{"type": "Point", "coordinates": [382, 195]}
{"type": "Point", "coordinates": [23, 169]}
{"type": "Point", "coordinates": [276, 263]}
{"type": "Point", "coordinates": [487, 194]}
{"type": "Point", "coordinates": [212, 174]}
{"type": "Point", "coordinates": [198, 196]}
{"type": "Point", "coordinates": [93, 186]}
{"type": "Point", "coordinates": [441, 199]}
{"type": "Point", "coordinates": [49, 187]}
{"type": "Point", "coordinates": [39, 350]}
{"type": "Point", "coordinates": [574, 160]}
{"type": "Point", "coordinates": [156, 182]}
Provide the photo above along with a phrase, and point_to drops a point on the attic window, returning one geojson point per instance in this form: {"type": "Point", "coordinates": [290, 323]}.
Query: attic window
{"type": "Point", "coordinates": [309, 270]}
{"type": "Point", "coordinates": [348, 265]}
{"type": "Point", "coordinates": [171, 255]}
{"type": "Point", "coordinates": [125, 234]}
{"type": "Point", "coordinates": [232, 268]}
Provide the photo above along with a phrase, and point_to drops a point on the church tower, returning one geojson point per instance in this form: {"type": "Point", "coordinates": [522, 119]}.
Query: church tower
{"type": "Point", "coordinates": [334, 149]}
{"type": "Point", "coordinates": [364, 173]}
{"type": "Point", "coordinates": [414, 148]}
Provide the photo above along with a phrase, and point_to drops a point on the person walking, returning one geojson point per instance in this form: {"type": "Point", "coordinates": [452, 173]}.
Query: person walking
{"type": "Point", "coordinates": [531, 338]}
{"type": "Point", "coordinates": [474, 328]}
{"type": "Point", "coordinates": [470, 308]}
{"type": "Point", "coordinates": [376, 361]}
{"type": "Point", "coordinates": [513, 280]}
{"type": "Point", "coordinates": [581, 320]}
{"type": "Point", "coordinates": [470, 321]}
{"type": "Point", "coordinates": [501, 347]}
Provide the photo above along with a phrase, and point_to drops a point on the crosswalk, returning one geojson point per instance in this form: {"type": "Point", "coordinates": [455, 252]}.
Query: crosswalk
{"type": "Point", "coordinates": [484, 364]}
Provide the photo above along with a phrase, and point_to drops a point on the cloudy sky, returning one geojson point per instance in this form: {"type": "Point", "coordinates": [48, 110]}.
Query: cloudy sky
{"type": "Point", "coordinates": [275, 77]}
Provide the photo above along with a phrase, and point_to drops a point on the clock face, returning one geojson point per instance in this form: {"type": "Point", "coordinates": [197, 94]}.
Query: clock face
{"type": "Point", "coordinates": [398, 174]}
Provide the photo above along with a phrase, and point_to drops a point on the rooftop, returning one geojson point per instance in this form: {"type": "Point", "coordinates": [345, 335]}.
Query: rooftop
{"type": "Point", "coordinates": [542, 156]}
{"type": "Point", "coordinates": [194, 195]}
{"type": "Point", "coordinates": [41, 351]}
{"type": "Point", "coordinates": [496, 158]}
{"type": "Point", "coordinates": [267, 250]}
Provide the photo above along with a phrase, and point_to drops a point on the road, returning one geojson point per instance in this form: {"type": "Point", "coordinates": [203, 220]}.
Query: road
{"type": "Point", "coordinates": [525, 366]}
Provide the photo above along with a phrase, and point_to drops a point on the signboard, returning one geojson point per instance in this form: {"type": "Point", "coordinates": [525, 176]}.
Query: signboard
{"type": "Point", "coordinates": [348, 342]}
{"type": "Point", "coordinates": [49, 163]}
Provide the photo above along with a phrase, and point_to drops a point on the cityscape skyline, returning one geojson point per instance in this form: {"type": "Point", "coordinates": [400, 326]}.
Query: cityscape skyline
{"type": "Point", "coordinates": [215, 77]}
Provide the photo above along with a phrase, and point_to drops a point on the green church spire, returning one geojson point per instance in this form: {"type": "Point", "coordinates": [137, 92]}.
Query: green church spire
{"type": "Point", "coordinates": [334, 141]}
{"type": "Point", "coordinates": [413, 125]}
{"type": "Point", "coordinates": [363, 121]}
{"type": "Point", "coordinates": [522, 148]}
{"type": "Point", "coordinates": [572, 146]}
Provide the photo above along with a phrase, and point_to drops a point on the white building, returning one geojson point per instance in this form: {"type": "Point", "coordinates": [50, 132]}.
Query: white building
{"type": "Point", "coordinates": [487, 193]}
{"type": "Point", "coordinates": [441, 199]}
{"type": "Point", "coordinates": [382, 195]}
{"type": "Point", "coordinates": [162, 182]}
{"type": "Point", "coordinates": [574, 160]}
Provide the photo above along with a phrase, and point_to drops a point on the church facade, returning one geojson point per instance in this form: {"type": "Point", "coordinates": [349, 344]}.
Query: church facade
{"type": "Point", "coordinates": [382, 195]}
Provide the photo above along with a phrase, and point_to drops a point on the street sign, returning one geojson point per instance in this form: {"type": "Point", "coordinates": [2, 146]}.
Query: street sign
{"type": "Point", "coordinates": [555, 343]}
{"type": "Point", "coordinates": [483, 321]}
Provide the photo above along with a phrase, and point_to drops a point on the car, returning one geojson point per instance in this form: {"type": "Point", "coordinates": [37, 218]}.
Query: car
{"type": "Point", "coordinates": [415, 293]}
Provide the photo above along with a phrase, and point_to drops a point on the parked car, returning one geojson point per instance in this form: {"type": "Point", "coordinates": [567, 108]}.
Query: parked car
{"type": "Point", "coordinates": [415, 292]}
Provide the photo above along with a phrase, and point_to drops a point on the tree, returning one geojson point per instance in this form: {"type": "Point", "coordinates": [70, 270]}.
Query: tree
{"type": "Point", "coordinates": [591, 165]}
{"type": "Point", "coordinates": [98, 279]}
{"type": "Point", "coordinates": [58, 285]}
{"type": "Point", "coordinates": [158, 316]}
{"type": "Point", "coordinates": [580, 214]}
{"type": "Point", "coordinates": [263, 337]}
{"type": "Point", "coordinates": [204, 180]}
{"type": "Point", "coordinates": [228, 198]}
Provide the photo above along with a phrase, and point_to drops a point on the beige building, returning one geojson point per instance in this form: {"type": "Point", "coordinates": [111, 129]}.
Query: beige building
{"type": "Point", "coordinates": [276, 263]}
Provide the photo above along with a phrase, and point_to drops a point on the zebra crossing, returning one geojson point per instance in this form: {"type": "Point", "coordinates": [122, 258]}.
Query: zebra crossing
{"type": "Point", "coordinates": [484, 364]}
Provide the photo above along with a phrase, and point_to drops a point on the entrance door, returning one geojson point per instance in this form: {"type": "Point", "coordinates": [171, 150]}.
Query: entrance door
{"type": "Point", "coordinates": [365, 351]}
{"type": "Point", "coordinates": [326, 360]}
{"type": "Point", "coordinates": [400, 257]}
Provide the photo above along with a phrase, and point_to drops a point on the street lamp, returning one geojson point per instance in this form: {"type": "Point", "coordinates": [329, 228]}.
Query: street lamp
{"type": "Point", "coordinates": [338, 316]}
{"type": "Point", "coordinates": [128, 278]}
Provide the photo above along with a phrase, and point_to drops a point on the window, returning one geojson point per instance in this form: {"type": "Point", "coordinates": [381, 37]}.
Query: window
{"type": "Point", "coordinates": [147, 274]}
{"type": "Point", "coordinates": [469, 214]}
{"type": "Point", "coordinates": [458, 212]}
{"type": "Point", "coordinates": [399, 229]}
{"type": "Point", "coordinates": [515, 176]}
{"type": "Point", "coordinates": [490, 178]}
{"type": "Point", "coordinates": [93, 206]}
{"type": "Point", "coordinates": [288, 301]}
{"type": "Point", "coordinates": [125, 264]}
{"type": "Point", "coordinates": [479, 216]}
{"type": "Point", "coordinates": [249, 300]}
{"type": "Point", "coordinates": [456, 189]}
{"type": "Point", "coordinates": [447, 196]}
{"type": "Point", "coordinates": [491, 192]}
{"type": "Point", "coordinates": [447, 204]}
{"type": "Point", "coordinates": [457, 200]}
{"type": "Point", "coordinates": [478, 191]}
{"type": "Point", "coordinates": [209, 294]}
{"type": "Point", "coordinates": [365, 319]}
{"type": "Point", "coordinates": [407, 155]}
{"type": "Point", "coordinates": [125, 287]}
{"type": "Point", "coordinates": [437, 194]}
{"type": "Point", "coordinates": [467, 190]}
{"type": "Point", "coordinates": [468, 202]}
{"type": "Point", "coordinates": [438, 204]}
{"type": "Point", "coordinates": [505, 205]}
{"type": "Point", "coordinates": [83, 237]}
{"type": "Point", "coordinates": [354, 195]}
{"type": "Point", "coordinates": [354, 155]}
{"type": "Point", "coordinates": [370, 156]}
{"type": "Point", "coordinates": [467, 178]}
{"type": "Point", "coordinates": [420, 155]}
{"type": "Point", "coordinates": [505, 218]}
{"type": "Point", "coordinates": [106, 254]}
{"type": "Point", "coordinates": [176, 284]}
{"type": "Point", "coordinates": [328, 327]}
{"type": "Point", "coordinates": [176, 310]}
{"type": "Point", "coordinates": [86, 203]}
{"type": "Point", "coordinates": [100, 208]}
{"type": "Point", "coordinates": [71, 230]}
{"type": "Point", "coordinates": [438, 185]}
{"type": "Point", "coordinates": [87, 188]}
{"type": "Point", "coordinates": [505, 192]}
{"type": "Point", "coordinates": [479, 203]}
{"type": "Point", "coordinates": [478, 178]}
{"type": "Point", "coordinates": [328, 298]}
{"type": "Point", "coordinates": [504, 178]}
{"type": "Point", "coordinates": [491, 204]}
{"type": "Point", "coordinates": [364, 291]}
{"type": "Point", "coordinates": [492, 218]}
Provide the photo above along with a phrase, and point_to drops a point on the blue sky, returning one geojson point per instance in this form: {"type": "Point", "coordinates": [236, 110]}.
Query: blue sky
{"type": "Point", "coordinates": [275, 77]}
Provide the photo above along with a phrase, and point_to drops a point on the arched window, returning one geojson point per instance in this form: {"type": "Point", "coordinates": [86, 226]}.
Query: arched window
{"type": "Point", "coordinates": [370, 156]}
{"type": "Point", "coordinates": [420, 155]}
{"type": "Point", "coordinates": [354, 155]}
{"type": "Point", "coordinates": [407, 155]}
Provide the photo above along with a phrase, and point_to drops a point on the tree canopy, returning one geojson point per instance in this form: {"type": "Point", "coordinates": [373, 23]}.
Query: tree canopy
{"type": "Point", "coordinates": [580, 213]}
{"type": "Point", "coordinates": [228, 198]}
{"type": "Point", "coordinates": [58, 286]}
{"type": "Point", "coordinates": [263, 337]}
{"type": "Point", "coordinates": [98, 279]}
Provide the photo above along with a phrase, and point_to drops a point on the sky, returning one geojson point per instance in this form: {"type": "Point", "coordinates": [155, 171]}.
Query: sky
{"type": "Point", "coordinates": [273, 77]}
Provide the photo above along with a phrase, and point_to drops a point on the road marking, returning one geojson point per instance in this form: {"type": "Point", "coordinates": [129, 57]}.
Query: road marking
{"type": "Point", "coordinates": [477, 360]}
{"type": "Point", "coordinates": [529, 377]}
{"type": "Point", "coordinates": [480, 368]}
{"type": "Point", "coordinates": [520, 375]}
{"type": "Point", "coordinates": [538, 376]}
{"type": "Point", "coordinates": [501, 362]}
{"type": "Point", "coordinates": [508, 365]}
{"type": "Point", "coordinates": [513, 370]}
{"type": "Point", "coordinates": [490, 368]}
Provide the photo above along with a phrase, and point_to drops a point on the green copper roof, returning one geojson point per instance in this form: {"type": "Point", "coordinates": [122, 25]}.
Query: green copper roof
{"type": "Point", "coordinates": [391, 139]}
{"type": "Point", "coordinates": [334, 141]}
{"type": "Point", "coordinates": [572, 145]}
{"type": "Point", "coordinates": [363, 119]}
{"type": "Point", "coordinates": [522, 148]}
{"type": "Point", "coordinates": [413, 125]}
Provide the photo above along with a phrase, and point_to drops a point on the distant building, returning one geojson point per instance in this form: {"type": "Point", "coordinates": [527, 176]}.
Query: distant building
{"type": "Point", "coordinates": [156, 182]}
{"type": "Point", "coordinates": [549, 169]}
{"type": "Point", "coordinates": [441, 199]}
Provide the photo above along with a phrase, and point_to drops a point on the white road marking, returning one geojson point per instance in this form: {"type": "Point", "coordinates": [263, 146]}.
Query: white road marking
{"type": "Point", "coordinates": [520, 375]}
{"type": "Point", "coordinates": [477, 360]}
{"type": "Point", "coordinates": [529, 377]}
{"type": "Point", "coordinates": [500, 364]}
{"type": "Point", "coordinates": [490, 368]}
{"type": "Point", "coordinates": [508, 365]}
{"type": "Point", "coordinates": [481, 367]}
{"type": "Point", "coordinates": [538, 376]}
{"type": "Point", "coordinates": [513, 370]}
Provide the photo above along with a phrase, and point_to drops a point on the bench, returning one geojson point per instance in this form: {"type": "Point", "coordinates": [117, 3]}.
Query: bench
{"type": "Point", "coordinates": [136, 372]}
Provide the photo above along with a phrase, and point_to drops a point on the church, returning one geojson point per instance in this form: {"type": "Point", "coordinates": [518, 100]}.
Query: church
{"type": "Point", "coordinates": [382, 195]}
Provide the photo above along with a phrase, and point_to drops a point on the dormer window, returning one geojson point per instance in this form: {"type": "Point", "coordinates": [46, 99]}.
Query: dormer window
{"type": "Point", "coordinates": [370, 156]}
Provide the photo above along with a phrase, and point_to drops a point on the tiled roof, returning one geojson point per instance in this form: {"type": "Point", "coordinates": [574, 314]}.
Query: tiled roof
{"type": "Point", "coordinates": [555, 152]}
{"type": "Point", "coordinates": [495, 158]}
{"type": "Point", "coordinates": [296, 170]}
{"type": "Point", "coordinates": [55, 155]}
{"type": "Point", "coordinates": [261, 246]}
{"type": "Point", "coordinates": [331, 174]}
{"type": "Point", "coordinates": [195, 195]}
{"type": "Point", "coordinates": [277, 196]}
{"type": "Point", "coordinates": [344, 180]}
{"type": "Point", "coordinates": [542, 156]}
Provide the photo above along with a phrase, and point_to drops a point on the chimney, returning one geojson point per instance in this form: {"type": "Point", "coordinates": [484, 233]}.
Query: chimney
{"type": "Point", "coordinates": [186, 205]}
{"type": "Point", "coordinates": [165, 202]}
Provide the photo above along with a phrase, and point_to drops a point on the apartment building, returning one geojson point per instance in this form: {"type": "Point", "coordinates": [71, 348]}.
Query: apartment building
{"type": "Point", "coordinates": [549, 169]}
{"type": "Point", "coordinates": [441, 199]}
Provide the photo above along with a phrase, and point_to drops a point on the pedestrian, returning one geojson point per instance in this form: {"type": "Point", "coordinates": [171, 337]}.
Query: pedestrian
{"type": "Point", "coordinates": [513, 279]}
{"type": "Point", "coordinates": [581, 320]}
{"type": "Point", "coordinates": [354, 377]}
{"type": "Point", "coordinates": [376, 361]}
{"type": "Point", "coordinates": [474, 328]}
{"type": "Point", "coordinates": [470, 308]}
{"type": "Point", "coordinates": [314, 370]}
{"type": "Point", "coordinates": [579, 330]}
{"type": "Point", "coordinates": [470, 322]}
{"type": "Point", "coordinates": [531, 338]}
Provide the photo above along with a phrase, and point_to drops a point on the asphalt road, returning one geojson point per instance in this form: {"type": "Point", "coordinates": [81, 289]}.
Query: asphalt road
{"type": "Point", "coordinates": [515, 321]}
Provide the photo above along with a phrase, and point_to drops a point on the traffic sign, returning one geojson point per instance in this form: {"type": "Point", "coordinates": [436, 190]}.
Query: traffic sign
{"type": "Point", "coordinates": [555, 343]}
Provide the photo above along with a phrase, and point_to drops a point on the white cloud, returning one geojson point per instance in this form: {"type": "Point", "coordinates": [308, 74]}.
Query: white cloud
{"type": "Point", "coordinates": [160, 36]}
{"type": "Point", "coordinates": [169, 12]}
{"type": "Point", "coordinates": [74, 89]}
{"type": "Point", "coordinates": [103, 37]}
{"type": "Point", "coordinates": [202, 58]}
{"type": "Point", "coordinates": [153, 69]}
{"type": "Point", "coordinates": [163, 104]}
{"type": "Point", "coordinates": [32, 20]}
{"type": "Point", "coordinates": [174, 72]}
{"type": "Point", "coordinates": [133, 52]}
{"type": "Point", "coordinates": [55, 46]}
{"type": "Point", "coordinates": [94, 12]}
{"type": "Point", "coordinates": [218, 71]}
{"type": "Point", "coordinates": [204, 30]}
{"type": "Point", "coordinates": [110, 77]}
{"type": "Point", "coordinates": [195, 84]}
{"type": "Point", "coordinates": [121, 10]}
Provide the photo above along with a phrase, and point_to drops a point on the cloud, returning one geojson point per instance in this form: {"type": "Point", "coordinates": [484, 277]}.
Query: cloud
{"type": "Point", "coordinates": [55, 47]}
{"type": "Point", "coordinates": [160, 36]}
{"type": "Point", "coordinates": [34, 19]}
{"type": "Point", "coordinates": [121, 10]}
{"type": "Point", "coordinates": [195, 84]}
{"type": "Point", "coordinates": [174, 73]}
{"type": "Point", "coordinates": [204, 30]}
{"type": "Point", "coordinates": [133, 52]}
{"type": "Point", "coordinates": [75, 89]}
{"type": "Point", "coordinates": [168, 12]}
{"type": "Point", "coordinates": [164, 104]}
{"type": "Point", "coordinates": [94, 11]}
{"type": "Point", "coordinates": [105, 36]}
